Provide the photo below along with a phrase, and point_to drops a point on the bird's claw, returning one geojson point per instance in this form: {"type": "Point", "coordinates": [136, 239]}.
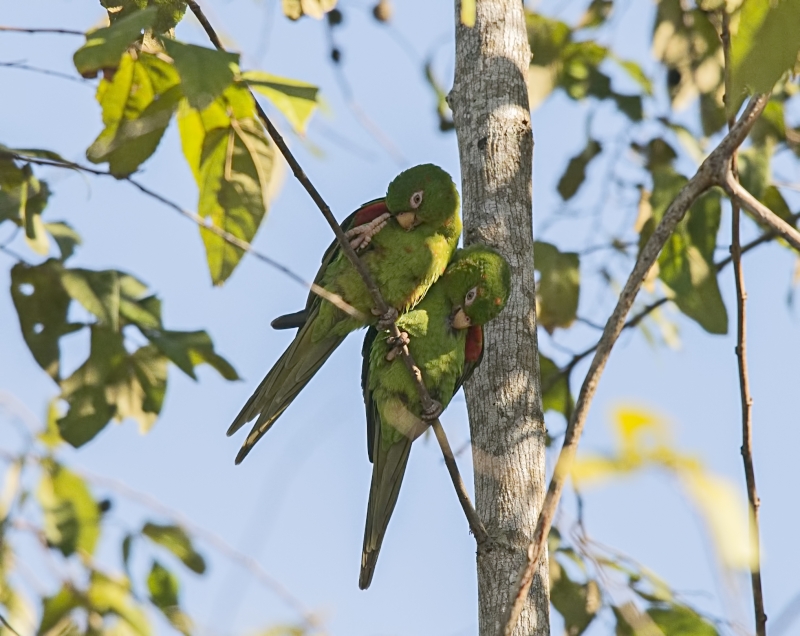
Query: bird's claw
{"type": "Point", "coordinates": [397, 344]}
{"type": "Point", "coordinates": [432, 412]}
{"type": "Point", "coordinates": [385, 320]}
{"type": "Point", "coordinates": [361, 235]}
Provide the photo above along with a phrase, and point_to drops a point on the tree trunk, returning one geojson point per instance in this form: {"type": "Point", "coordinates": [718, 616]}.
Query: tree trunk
{"type": "Point", "coordinates": [492, 121]}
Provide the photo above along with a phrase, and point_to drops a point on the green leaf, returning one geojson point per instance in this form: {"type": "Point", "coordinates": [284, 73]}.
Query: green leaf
{"type": "Point", "coordinates": [66, 238]}
{"type": "Point", "coordinates": [205, 73]}
{"type": "Point", "coordinates": [686, 263]}
{"type": "Point", "coordinates": [295, 9]}
{"type": "Point", "coordinates": [50, 436]}
{"type": "Point", "coordinates": [442, 107]}
{"type": "Point", "coordinates": [88, 414]}
{"type": "Point", "coordinates": [105, 46]}
{"type": "Point", "coordinates": [575, 174]}
{"type": "Point", "coordinates": [137, 385]}
{"type": "Point", "coordinates": [163, 587]}
{"type": "Point", "coordinates": [138, 104]}
{"type": "Point", "coordinates": [56, 609]}
{"type": "Point", "coordinates": [127, 546]}
{"type": "Point", "coordinates": [41, 303]}
{"type": "Point", "coordinates": [71, 515]}
{"type": "Point", "coordinates": [630, 105]}
{"type": "Point", "coordinates": [764, 46]}
{"type": "Point", "coordinates": [754, 169]}
{"type": "Point", "coordinates": [577, 603]}
{"type": "Point", "coordinates": [97, 291]}
{"type": "Point", "coordinates": [175, 539]}
{"type": "Point", "coordinates": [107, 595]}
{"type": "Point", "coordinates": [112, 383]}
{"type": "Point", "coordinates": [556, 395]}
{"type": "Point", "coordinates": [23, 198]}
{"type": "Point", "coordinates": [774, 200]}
{"type": "Point", "coordinates": [187, 349]}
{"type": "Point", "coordinates": [235, 172]}
{"type": "Point", "coordinates": [679, 620]}
{"type": "Point", "coordinates": [296, 100]}
{"type": "Point", "coordinates": [170, 12]}
{"type": "Point", "coordinates": [558, 289]}
{"type": "Point", "coordinates": [596, 14]}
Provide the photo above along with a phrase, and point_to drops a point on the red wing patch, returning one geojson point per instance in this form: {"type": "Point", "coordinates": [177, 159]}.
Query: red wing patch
{"type": "Point", "coordinates": [370, 213]}
{"type": "Point", "coordinates": [474, 345]}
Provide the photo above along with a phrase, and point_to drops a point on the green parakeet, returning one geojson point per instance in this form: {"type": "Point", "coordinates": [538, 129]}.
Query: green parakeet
{"type": "Point", "coordinates": [422, 228]}
{"type": "Point", "coordinates": [446, 341]}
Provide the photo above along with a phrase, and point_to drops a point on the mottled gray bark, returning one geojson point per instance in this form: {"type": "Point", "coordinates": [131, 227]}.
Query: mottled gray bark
{"type": "Point", "coordinates": [495, 140]}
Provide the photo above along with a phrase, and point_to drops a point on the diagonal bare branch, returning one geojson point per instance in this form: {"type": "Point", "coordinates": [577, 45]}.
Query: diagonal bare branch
{"type": "Point", "coordinates": [710, 173]}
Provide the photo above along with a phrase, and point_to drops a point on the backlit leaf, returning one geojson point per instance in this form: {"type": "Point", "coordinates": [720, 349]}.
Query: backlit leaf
{"type": "Point", "coordinates": [105, 46]}
{"type": "Point", "coordinates": [295, 9]}
{"type": "Point", "coordinates": [187, 349]}
{"type": "Point", "coordinates": [97, 291]}
{"type": "Point", "coordinates": [163, 587]}
{"type": "Point", "coordinates": [107, 595]}
{"type": "Point", "coordinates": [138, 104]}
{"type": "Point", "coordinates": [41, 303]}
{"type": "Point", "coordinates": [764, 46]}
{"type": "Point", "coordinates": [205, 73]}
{"type": "Point", "coordinates": [71, 515]}
{"type": "Point", "coordinates": [577, 603]}
{"type": "Point", "coordinates": [57, 608]}
{"type": "Point", "coordinates": [558, 289]}
{"type": "Point", "coordinates": [296, 100]}
{"type": "Point", "coordinates": [575, 174]}
{"type": "Point", "coordinates": [555, 389]}
{"type": "Point", "coordinates": [175, 539]}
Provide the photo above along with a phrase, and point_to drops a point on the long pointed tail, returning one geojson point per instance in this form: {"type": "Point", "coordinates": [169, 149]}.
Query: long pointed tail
{"type": "Point", "coordinates": [282, 384]}
{"type": "Point", "coordinates": [387, 475]}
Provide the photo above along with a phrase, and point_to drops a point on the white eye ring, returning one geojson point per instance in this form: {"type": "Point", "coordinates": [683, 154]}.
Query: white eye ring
{"type": "Point", "coordinates": [416, 200]}
{"type": "Point", "coordinates": [472, 294]}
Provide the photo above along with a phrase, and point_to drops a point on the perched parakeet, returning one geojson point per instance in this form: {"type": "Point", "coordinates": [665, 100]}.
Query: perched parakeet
{"type": "Point", "coordinates": [407, 255]}
{"type": "Point", "coordinates": [446, 341]}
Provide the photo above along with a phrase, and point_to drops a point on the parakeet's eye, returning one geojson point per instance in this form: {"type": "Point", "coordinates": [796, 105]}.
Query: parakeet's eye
{"type": "Point", "coordinates": [472, 294]}
{"type": "Point", "coordinates": [416, 200]}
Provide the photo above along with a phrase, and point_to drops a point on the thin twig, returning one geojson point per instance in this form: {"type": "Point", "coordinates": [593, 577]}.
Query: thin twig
{"type": "Point", "coordinates": [26, 30]}
{"type": "Point", "coordinates": [8, 625]}
{"type": "Point", "coordinates": [741, 357]}
{"type": "Point", "coordinates": [44, 71]}
{"type": "Point", "coordinates": [710, 173]}
{"type": "Point", "coordinates": [743, 198]}
{"type": "Point", "coordinates": [232, 239]}
{"type": "Point", "coordinates": [461, 490]}
{"type": "Point", "coordinates": [427, 403]}
{"type": "Point", "coordinates": [217, 542]}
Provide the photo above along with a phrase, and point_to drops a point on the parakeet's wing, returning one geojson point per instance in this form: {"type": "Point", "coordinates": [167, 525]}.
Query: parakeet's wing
{"type": "Point", "coordinates": [369, 338]}
{"type": "Point", "coordinates": [285, 380]}
{"type": "Point", "coordinates": [473, 354]}
{"type": "Point", "coordinates": [366, 213]}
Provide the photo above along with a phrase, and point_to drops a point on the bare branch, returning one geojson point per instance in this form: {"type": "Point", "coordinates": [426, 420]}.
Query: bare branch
{"type": "Point", "coordinates": [334, 299]}
{"type": "Point", "coordinates": [733, 186]}
{"type": "Point", "coordinates": [26, 30]}
{"type": "Point", "coordinates": [743, 198]}
{"type": "Point", "coordinates": [427, 403]}
{"type": "Point", "coordinates": [475, 524]}
{"type": "Point", "coordinates": [709, 174]}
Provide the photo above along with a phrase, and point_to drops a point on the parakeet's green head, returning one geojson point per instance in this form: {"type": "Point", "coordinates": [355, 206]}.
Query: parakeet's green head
{"type": "Point", "coordinates": [478, 282]}
{"type": "Point", "coordinates": [423, 194]}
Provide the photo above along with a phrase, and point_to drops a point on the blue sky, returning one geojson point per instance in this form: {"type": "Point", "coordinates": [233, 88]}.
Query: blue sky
{"type": "Point", "coordinates": [297, 504]}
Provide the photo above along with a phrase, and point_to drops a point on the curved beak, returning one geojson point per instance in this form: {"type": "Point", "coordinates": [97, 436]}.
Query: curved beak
{"type": "Point", "coordinates": [460, 320]}
{"type": "Point", "coordinates": [407, 220]}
